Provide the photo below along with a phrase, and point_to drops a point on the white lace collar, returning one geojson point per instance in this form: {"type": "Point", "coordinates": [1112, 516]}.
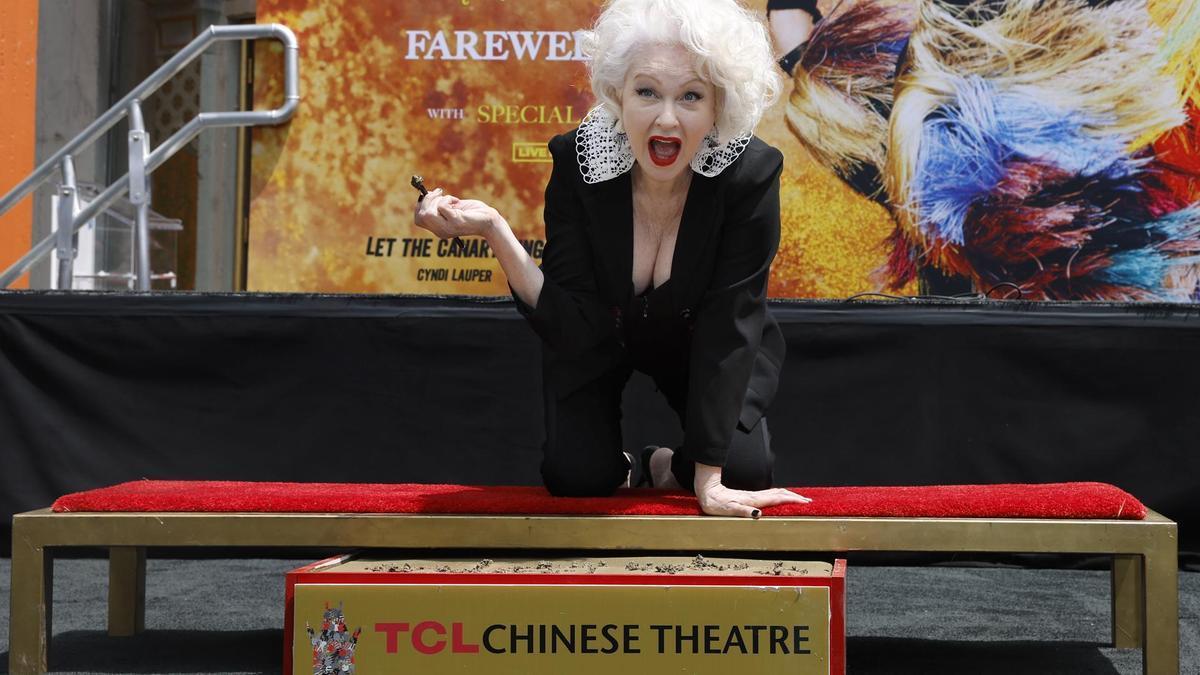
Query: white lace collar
{"type": "Point", "coordinates": [604, 152]}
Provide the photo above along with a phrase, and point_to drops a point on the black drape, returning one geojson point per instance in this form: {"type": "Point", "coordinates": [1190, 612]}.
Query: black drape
{"type": "Point", "coordinates": [97, 389]}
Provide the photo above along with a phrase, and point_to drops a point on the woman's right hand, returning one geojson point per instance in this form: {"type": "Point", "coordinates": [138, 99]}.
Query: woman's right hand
{"type": "Point", "coordinates": [448, 216]}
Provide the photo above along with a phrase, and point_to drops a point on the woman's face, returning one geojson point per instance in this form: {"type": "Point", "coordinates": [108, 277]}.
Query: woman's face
{"type": "Point", "coordinates": [666, 110]}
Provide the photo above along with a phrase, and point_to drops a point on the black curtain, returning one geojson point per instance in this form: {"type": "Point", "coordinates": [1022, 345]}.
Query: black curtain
{"type": "Point", "coordinates": [97, 389]}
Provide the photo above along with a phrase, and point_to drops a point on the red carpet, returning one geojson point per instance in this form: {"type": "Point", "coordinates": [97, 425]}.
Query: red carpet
{"type": "Point", "coordinates": [1052, 500]}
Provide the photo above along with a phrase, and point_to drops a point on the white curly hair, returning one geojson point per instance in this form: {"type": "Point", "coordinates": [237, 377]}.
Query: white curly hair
{"type": "Point", "coordinates": [731, 46]}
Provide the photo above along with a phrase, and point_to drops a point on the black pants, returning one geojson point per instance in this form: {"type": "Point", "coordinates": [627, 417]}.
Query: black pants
{"type": "Point", "coordinates": [583, 454]}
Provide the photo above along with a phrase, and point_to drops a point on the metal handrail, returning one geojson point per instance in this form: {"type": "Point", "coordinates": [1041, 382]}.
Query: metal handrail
{"type": "Point", "coordinates": [131, 105]}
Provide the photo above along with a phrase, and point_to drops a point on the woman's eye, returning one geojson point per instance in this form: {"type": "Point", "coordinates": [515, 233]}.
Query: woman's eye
{"type": "Point", "coordinates": [692, 96]}
{"type": "Point", "coordinates": [644, 92]}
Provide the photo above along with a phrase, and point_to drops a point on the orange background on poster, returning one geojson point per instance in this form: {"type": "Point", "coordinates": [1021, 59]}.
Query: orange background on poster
{"type": "Point", "coordinates": [18, 80]}
{"type": "Point", "coordinates": [326, 188]}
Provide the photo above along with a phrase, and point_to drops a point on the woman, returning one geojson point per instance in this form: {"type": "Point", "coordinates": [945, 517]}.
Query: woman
{"type": "Point", "coordinates": [662, 218]}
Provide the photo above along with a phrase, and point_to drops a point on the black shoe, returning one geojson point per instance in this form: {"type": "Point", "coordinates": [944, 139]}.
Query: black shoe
{"type": "Point", "coordinates": [640, 476]}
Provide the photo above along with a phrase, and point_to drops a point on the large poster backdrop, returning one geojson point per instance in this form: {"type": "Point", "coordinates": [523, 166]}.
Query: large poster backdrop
{"type": "Point", "coordinates": [1070, 176]}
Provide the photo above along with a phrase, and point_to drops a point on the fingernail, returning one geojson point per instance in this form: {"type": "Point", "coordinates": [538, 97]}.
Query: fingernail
{"type": "Point", "coordinates": [755, 513]}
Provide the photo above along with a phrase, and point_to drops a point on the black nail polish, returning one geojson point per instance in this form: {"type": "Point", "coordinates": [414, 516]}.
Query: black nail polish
{"type": "Point", "coordinates": [755, 513]}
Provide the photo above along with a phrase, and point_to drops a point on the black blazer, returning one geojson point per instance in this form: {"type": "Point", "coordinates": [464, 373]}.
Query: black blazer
{"type": "Point", "coordinates": [728, 235]}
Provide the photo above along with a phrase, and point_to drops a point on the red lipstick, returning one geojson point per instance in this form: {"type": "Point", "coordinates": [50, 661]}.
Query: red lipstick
{"type": "Point", "coordinates": [664, 150]}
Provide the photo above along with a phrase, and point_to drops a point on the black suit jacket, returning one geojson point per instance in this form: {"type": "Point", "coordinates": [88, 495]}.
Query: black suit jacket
{"type": "Point", "coordinates": [728, 235]}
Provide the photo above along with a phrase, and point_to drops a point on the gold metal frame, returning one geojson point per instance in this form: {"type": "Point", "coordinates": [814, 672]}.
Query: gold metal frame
{"type": "Point", "coordinates": [1145, 600]}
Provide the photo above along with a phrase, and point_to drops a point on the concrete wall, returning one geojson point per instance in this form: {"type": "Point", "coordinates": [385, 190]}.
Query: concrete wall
{"type": "Point", "coordinates": [89, 55]}
{"type": "Point", "coordinates": [216, 208]}
{"type": "Point", "coordinates": [72, 91]}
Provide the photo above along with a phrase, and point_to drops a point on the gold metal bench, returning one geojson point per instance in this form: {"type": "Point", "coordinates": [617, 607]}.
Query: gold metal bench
{"type": "Point", "coordinates": [1145, 601]}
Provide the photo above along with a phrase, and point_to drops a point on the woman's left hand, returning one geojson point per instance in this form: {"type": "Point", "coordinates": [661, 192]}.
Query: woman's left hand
{"type": "Point", "coordinates": [718, 500]}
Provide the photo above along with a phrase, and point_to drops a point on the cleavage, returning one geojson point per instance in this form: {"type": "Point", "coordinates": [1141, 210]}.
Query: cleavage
{"type": "Point", "coordinates": [652, 259]}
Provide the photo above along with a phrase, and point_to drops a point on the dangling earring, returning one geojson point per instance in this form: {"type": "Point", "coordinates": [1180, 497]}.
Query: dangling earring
{"type": "Point", "coordinates": [713, 156]}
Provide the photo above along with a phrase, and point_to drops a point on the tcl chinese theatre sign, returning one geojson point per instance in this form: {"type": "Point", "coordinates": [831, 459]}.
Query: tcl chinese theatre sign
{"type": "Point", "coordinates": [695, 615]}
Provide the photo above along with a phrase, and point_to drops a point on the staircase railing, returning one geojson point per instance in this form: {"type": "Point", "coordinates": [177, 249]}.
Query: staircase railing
{"type": "Point", "coordinates": [69, 216]}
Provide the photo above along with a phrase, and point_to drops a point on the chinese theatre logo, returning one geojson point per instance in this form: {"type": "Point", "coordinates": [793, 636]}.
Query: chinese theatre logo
{"type": "Point", "coordinates": [333, 648]}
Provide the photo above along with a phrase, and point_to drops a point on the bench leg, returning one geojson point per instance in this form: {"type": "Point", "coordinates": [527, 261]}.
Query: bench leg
{"type": "Point", "coordinates": [126, 590]}
{"type": "Point", "coordinates": [1128, 601]}
{"type": "Point", "coordinates": [29, 625]}
{"type": "Point", "coordinates": [1160, 654]}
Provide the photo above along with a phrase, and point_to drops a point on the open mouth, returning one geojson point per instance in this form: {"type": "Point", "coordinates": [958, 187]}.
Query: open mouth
{"type": "Point", "coordinates": [664, 150]}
